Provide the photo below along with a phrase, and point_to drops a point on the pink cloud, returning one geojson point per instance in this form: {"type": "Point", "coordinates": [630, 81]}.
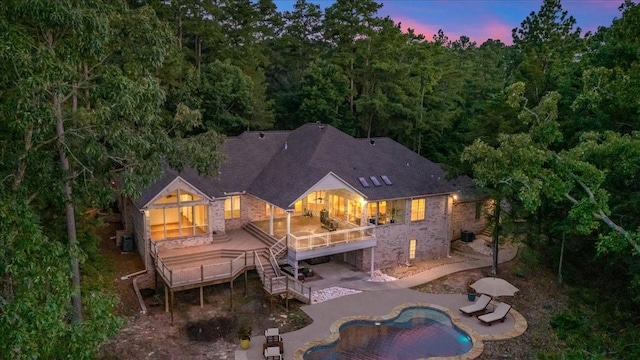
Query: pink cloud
{"type": "Point", "coordinates": [419, 28]}
{"type": "Point", "coordinates": [492, 29]}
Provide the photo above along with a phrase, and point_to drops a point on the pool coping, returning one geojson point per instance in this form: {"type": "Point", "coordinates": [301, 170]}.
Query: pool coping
{"type": "Point", "coordinates": [477, 339]}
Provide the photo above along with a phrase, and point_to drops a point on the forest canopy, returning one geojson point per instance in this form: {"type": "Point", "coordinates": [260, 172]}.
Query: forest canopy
{"type": "Point", "coordinates": [94, 91]}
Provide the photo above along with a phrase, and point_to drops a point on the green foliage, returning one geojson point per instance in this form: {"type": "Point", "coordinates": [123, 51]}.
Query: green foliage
{"type": "Point", "coordinates": [324, 87]}
{"type": "Point", "coordinates": [593, 333]}
{"type": "Point", "coordinates": [565, 323]}
{"type": "Point", "coordinates": [244, 331]}
{"type": "Point", "coordinates": [297, 318]}
{"type": "Point", "coordinates": [226, 94]}
{"type": "Point", "coordinates": [35, 311]}
{"type": "Point", "coordinates": [528, 260]}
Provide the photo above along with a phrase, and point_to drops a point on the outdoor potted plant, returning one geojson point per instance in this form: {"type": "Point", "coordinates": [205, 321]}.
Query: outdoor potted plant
{"type": "Point", "coordinates": [244, 334]}
{"type": "Point", "coordinates": [471, 293]}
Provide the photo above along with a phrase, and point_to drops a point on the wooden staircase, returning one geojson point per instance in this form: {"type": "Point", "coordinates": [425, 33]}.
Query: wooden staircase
{"type": "Point", "coordinates": [278, 247]}
{"type": "Point", "coordinates": [269, 271]}
{"type": "Point", "coordinates": [273, 282]}
{"type": "Point", "coordinates": [260, 234]}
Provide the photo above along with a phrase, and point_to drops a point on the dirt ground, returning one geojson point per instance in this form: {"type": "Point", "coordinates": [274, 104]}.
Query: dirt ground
{"type": "Point", "coordinates": [210, 332]}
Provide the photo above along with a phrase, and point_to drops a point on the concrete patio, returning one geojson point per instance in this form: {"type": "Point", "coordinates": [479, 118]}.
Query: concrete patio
{"type": "Point", "coordinates": [380, 299]}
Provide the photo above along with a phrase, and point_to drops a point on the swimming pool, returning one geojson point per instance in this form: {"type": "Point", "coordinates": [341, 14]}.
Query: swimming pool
{"type": "Point", "coordinates": [416, 332]}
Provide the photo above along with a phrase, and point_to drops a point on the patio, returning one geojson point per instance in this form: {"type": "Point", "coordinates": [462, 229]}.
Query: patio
{"type": "Point", "coordinates": [380, 299]}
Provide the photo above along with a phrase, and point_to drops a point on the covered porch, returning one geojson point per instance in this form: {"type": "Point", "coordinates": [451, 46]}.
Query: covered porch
{"type": "Point", "coordinates": [309, 237]}
{"type": "Point", "coordinates": [308, 232]}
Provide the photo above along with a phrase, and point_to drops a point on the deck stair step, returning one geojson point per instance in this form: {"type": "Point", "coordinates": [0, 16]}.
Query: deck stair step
{"type": "Point", "coordinates": [488, 231]}
{"type": "Point", "coordinates": [260, 234]}
{"type": "Point", "coordinates": [220, 237]}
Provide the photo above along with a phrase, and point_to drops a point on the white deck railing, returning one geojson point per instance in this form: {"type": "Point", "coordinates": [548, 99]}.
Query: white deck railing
{"type": "Point", "coordinates": [310, 242]}
{"type": "Point", "coordinates": [180, 276]}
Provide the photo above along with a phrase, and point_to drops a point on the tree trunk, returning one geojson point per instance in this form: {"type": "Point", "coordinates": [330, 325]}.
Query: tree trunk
{"type": "Point", "coordinates": [87, 104]}
{"type": "Point", "coordinates": [560, 263]}
{"type": "Point", "coordinates": [496, 236]}
{"type": "Point", "coordinates": [76, 298]}
{"type": "Point", "coordinates": [198, 53]}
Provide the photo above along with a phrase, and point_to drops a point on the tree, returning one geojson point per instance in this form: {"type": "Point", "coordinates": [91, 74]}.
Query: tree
{"type": "Point", "coordinates": [35, 291]}
{"type": "Point", "coordinates": [298, 44]}
{"type": "Point", "coordinates": [323, 94]}
{"type": "Point", "coordinates": [82, 110]}
{"type": "Point", "coordinates": [526, 168]}
{"type": "Point", "coordinates": [544, 44]}
{"type": "Point", "coordinates": [348, 22]}
{"type": "Point", "coordinates": [225, 93]}
{"type": "Point", "coordinates": [610, 77]}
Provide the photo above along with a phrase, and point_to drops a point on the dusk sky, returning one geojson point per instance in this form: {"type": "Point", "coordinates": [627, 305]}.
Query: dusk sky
{"type": "Point", "coordinates": [481, 19]}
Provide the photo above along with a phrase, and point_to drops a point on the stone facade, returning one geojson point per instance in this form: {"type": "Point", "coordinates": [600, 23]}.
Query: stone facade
{"type": "Point", "coordinates": [470, 216]}
{"type": "Point", "coordinates": [431, 235]}
{"type": "Point", "coordinates": [444, 219]}
{"type": "Point", "coordinates": [216, 216]}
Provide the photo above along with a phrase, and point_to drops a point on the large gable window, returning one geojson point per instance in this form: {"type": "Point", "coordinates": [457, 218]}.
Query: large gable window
{"type": "Point", "coordinates": [418, 209]}
{"type": "Point", "coordinates": [175, 215]}
{"type": "Point", "coordinates": [232, 207]}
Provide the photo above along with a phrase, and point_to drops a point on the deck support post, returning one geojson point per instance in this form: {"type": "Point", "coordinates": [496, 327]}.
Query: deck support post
{"type": "Point", "coordinates": [201, 296]}
{"type": "Point", "coordinates": [246, 280]}
{"type": "Point", "coordinates": [166, 299]}
{"type": "Point", "coordinates": [155, 277]}
{"type": "Point", "coordinates": [231, 294]}
{"type": "Point", "coordinates": [373, 257]}
{"type": "Point", "coordinates": [172, 302]}
{"type": "Point", "coordinates": [286, 292]}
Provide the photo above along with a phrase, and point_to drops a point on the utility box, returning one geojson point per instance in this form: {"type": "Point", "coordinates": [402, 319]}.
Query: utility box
{"type": "Point", "coordinates": [127, 243]}
{"type": "Point", "coordinates": [467, 236]}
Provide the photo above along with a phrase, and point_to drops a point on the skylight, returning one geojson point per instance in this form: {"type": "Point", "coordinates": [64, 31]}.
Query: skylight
{"type": "Point", "coordinates": [363, 181]}
{"type": "Point", "coordinates": [374, 180]}
{"type": "Point", "coordinates": [386, 180]}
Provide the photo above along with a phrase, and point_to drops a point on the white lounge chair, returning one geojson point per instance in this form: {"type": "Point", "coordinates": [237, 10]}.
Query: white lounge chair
{"type": "Point", "coordinates": [479, 306]}
{"type": "Point", "coordinates": [272, 353]}
{"type": "Point", "coordinates": [272, 335]}
{"type": "Point", "coordinates": [499, 314]}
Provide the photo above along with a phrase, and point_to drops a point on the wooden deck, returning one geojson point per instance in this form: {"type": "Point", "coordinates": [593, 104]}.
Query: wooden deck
{"type": "Point", "coordinates": [199, 266]}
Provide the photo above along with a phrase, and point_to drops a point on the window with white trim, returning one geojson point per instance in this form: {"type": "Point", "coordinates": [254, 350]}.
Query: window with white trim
{"type": "Point", "coordinates": [418, 209]}
{"type": "Point", "coordinates": [232, 207]}
{"type": "Point", "coordinates": [412, 249]}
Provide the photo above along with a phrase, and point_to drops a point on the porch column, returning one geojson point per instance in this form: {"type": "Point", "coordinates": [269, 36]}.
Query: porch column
{"type": "Point", "coordinates": [288, 226]}
{"type": "Point", "coordinates": [271, 220]}
{"type": "Point", "coordinates": [372, 261]}
{"type": "Point", "coordinates": [364, 214]}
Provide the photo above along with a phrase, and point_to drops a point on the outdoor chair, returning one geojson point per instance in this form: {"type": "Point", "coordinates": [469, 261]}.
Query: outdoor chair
{"type": "Point", "coordinates": [272, 335]}
{"type": "Point", "coordinates": [272, 353]}
{"type": "Point", "coordinates": [479, 306]}
{"type": "Point", "coordinates": [499, 314]}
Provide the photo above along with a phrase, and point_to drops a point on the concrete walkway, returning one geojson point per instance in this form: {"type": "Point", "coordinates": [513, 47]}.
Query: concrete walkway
{"type": "Point", "coordinates": [382, 298]}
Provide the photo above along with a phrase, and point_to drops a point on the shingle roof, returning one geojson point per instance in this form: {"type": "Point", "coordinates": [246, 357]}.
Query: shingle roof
{"type": "Point", "coordinates": [282, 165]}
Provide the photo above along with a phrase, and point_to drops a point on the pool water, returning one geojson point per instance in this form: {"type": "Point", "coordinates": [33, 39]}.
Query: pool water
{"type": "Point", "coordinates": [416, 333]}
